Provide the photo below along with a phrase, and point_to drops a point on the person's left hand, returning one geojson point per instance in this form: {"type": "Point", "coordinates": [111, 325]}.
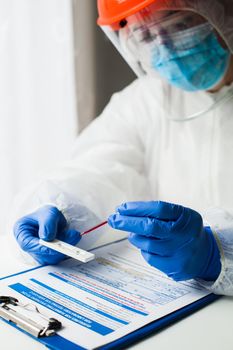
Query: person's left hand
{"type": "Point", "coordinates": [171, 238]}
{"type": "Point", "coordinates": [45, 223]}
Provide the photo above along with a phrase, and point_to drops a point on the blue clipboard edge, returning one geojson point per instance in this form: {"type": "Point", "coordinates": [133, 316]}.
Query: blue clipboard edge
{"type": "Point", "coordinates": [160, 323]}
{"type": "Point", "coordinates": [57, 342]}
{"type": "Point", "coordinates": [40, 266]}
{"type": "Point", "coordinates": [21, 272]}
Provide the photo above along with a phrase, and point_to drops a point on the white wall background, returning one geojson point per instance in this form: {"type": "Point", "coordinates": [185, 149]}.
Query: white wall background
{"type": "Point", "coordinates": [38, 120]}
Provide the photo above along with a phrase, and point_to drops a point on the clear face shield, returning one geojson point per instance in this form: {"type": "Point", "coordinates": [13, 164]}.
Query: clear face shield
{"type": "Point", "coordinates": [181, 47]}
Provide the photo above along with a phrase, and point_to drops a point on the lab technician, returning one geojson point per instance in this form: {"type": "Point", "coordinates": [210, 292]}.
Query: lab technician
{"type": "Point", "coordinates": [167, 138]}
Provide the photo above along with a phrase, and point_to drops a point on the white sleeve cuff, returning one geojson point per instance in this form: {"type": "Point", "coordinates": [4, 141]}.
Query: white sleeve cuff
{"type": "Point", "coordinates": [221, 223]}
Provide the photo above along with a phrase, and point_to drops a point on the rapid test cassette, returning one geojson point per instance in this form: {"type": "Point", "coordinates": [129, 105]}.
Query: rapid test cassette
{"type": "Point", "coordinates": [70, 250]}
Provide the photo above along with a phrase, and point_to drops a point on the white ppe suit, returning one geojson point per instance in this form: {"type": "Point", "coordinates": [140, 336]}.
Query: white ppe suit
{"type": "Point", "coordinates": [133, 151]}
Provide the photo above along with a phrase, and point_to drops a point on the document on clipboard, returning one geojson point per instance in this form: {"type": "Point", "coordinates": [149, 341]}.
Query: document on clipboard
{"type": "Point", "coordinates": [115, 298]}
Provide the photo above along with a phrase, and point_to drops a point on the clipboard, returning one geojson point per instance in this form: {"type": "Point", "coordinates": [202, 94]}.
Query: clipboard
{"type": "Point", "coordinates": [57, 342]}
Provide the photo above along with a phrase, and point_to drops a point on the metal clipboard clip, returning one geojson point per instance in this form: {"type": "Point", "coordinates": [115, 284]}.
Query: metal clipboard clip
{"type": "Point", "coordinates": [9, 313]}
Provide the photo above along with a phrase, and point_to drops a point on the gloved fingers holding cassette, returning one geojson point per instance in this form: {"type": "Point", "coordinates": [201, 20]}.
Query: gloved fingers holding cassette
{"type": "Point", "coordinates": [46, 223]}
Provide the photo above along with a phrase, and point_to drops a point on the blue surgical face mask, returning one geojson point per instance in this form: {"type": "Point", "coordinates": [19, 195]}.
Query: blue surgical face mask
{"type": "Point", "coordinates": [191, 60]}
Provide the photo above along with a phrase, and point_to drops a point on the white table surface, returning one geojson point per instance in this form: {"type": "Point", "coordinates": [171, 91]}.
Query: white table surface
{"type": "Point", "coordinates": [210, 328]}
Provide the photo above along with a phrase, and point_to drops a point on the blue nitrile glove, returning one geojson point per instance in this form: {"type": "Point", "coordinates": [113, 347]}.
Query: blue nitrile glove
{"type": "Point", "coordinates": [46, 223]}
{"type": "Point", "coordinates": [171, 238]}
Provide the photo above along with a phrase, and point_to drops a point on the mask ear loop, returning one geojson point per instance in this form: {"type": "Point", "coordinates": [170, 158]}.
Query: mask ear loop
{"type": "Point", "coordinates": [167, 96]}
{"type": "Point", "coordinates": [218, 102]}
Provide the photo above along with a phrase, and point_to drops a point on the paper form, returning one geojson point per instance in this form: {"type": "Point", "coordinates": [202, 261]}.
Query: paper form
{"type": "Point", "coordinates": [105, 299]}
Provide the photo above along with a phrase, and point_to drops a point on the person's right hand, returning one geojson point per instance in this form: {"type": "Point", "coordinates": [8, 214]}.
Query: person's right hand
{"type": "Point", "coordinates": [46, 223]}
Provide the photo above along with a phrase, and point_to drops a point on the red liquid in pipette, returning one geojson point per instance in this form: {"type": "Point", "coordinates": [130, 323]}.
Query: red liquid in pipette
{"type": "Point", "coordinates": [93, 228]}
